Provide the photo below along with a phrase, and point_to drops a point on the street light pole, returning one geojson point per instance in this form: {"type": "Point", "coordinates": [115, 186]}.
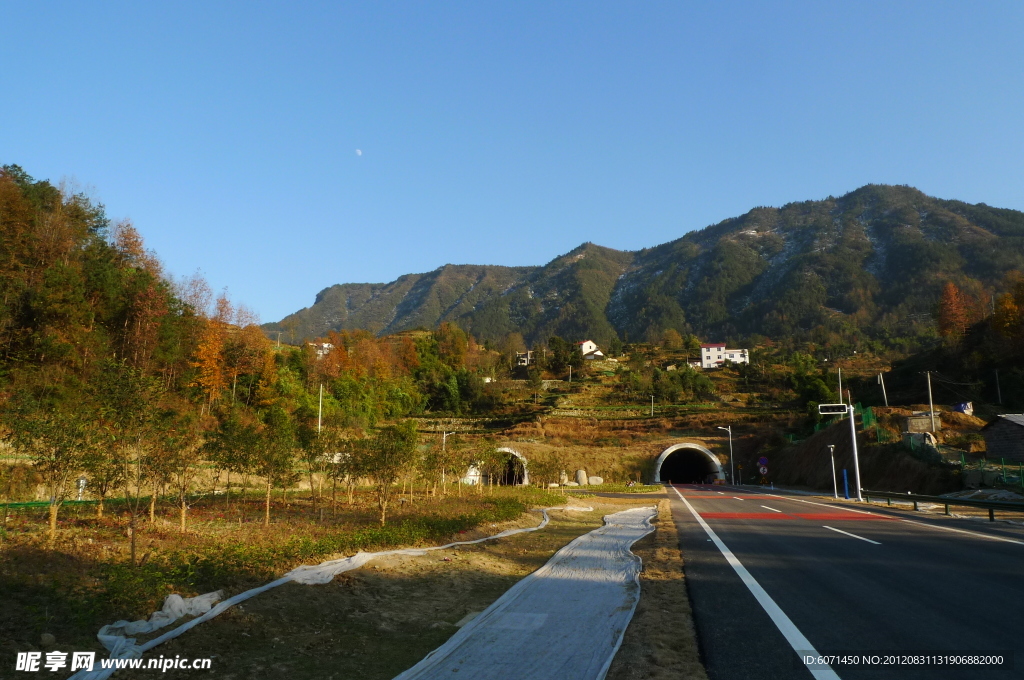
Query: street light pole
{"type": "Point", "coordinates": [856, 460]}
{"type": "Point", "coordinates": [732, 464]}
{"type": "Point", "coordinates": [835, 486]}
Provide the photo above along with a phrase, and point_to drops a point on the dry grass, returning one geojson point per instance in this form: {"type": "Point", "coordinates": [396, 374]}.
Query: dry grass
{"type": "Point", "coordinates": [374, 622]}
{"type": "Point", "coordinates": [661, 642]}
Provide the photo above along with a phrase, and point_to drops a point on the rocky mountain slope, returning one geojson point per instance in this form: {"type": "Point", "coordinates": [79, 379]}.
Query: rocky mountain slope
{"type": "Point", "coordinates": [871, 262]}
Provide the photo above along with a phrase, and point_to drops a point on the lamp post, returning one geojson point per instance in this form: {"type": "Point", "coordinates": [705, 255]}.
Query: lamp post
{"type": "Point", "coordinates": [732, 465]}
{"type": "Point", "coordinates": [835, 486]}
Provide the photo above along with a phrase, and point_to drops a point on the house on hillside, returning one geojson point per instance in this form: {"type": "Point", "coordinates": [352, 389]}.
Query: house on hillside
{"type": "Point", "coordinates": [1004, 437]}
{"type": "Point", "coordinates": [589, 350]}
{"type": "Point", "coordinates": [525, 358]}
{"type": "Point", "coordinates": [322, 349]}
{"type": "Point", "coordinates": [715, 354]}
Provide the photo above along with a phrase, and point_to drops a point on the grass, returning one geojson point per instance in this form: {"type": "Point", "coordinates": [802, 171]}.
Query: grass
{"type": "Point", "coordinates": [86, 580]}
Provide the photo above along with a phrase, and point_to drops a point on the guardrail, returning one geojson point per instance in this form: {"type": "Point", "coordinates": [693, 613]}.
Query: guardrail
{"type": "Point", "coordinates": [992, 506]}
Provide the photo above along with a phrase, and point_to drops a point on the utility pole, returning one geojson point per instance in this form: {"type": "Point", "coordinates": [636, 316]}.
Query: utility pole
{"type": "Point", "coordinates": [835, 485]}
{"type": "Point", "coordinates": [570, 372]}
{"type": "Point", "coordinates": [931, 407]}
{"type": "Point", "coordinates": [999, 392]}
{"type": "Point", "coordinates": [840, 386]}
{"type": "Point", "coordinates": [279, 339]}
{"type": "Point", "coordinates": [320, 412]}
{"type": "Point", "coordinates": [881, 381]}
{"type": "Point", "coordinates": [652, 405]}
{"type": "Point", "coordinates": [732, 465]}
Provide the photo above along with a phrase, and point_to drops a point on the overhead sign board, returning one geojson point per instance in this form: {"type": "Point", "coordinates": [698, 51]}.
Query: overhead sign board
{"type": "Point", "coordinates": [832, 409]}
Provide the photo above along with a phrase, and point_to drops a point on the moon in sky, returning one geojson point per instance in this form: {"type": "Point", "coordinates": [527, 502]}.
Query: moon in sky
{"type": "Point", "coordinates": [359, 152]}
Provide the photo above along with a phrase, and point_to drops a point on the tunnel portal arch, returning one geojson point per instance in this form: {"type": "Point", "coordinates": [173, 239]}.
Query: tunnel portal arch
{"type": "Point", "coordinates": [716, 466]}
{"type": "Point", "coordinates": [521, 459]}
{"type": "Point", "coordinates": [474, 475]}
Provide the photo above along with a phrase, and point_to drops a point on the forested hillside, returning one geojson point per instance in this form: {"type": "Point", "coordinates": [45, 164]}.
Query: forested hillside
{"type": "Point", "coordinates": [869, 265]}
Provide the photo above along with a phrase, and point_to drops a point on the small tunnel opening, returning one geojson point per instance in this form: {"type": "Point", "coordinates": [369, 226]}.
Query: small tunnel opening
{"type": "Point", "coordinates": [687, 466]}
{"type": "Point", "coordinates": [513, 473]}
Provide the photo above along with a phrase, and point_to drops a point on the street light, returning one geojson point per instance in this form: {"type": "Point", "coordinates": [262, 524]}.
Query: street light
{"type": "Point", "coordinates": [835, 487]}
{"type": "Point", "coordinates": [847, 409]}
{"type": "Point", "coordinates": [732, 465]}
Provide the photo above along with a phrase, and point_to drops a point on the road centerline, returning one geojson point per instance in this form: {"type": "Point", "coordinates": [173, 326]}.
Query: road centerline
{"type": "Point", "coordinates": [797, 640]}
{"type": "Point", "coordinates": [840, 531]}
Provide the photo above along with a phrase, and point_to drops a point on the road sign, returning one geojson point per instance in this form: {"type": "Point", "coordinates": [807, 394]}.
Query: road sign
{"type": "Point", "coordinates": [832, 409]}
{"type": "Point", "coordinates": [762, 461]}
{"type": "Point", "coordinates": [763, 470]}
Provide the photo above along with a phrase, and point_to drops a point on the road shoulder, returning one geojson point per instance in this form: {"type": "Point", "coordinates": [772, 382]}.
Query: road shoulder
{"type": "Point", "coordinates": [661, 641]}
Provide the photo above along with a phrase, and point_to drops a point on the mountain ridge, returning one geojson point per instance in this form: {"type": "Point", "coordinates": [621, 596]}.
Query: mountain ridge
{"type": "Point", "coordinates": [870, 263]}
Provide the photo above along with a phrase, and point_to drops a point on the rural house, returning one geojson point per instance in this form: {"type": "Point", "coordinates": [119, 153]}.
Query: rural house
{"type": "Point", "coordinates": [589, 350]}
{"type": "Point", "coordinates": [1004, 437]}
{"type": "Point", "coordinates": [713, 355]}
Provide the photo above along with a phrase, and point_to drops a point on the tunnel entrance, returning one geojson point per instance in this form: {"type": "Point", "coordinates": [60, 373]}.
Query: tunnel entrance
{"type": "Point", "coordinates": [687, 466]}
{"type": "Point", "coordinates": [513, 473]}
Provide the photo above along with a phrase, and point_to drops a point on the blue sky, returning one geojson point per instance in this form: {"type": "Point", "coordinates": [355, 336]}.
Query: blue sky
{"type": "Point", "coordinates": [498, 133]}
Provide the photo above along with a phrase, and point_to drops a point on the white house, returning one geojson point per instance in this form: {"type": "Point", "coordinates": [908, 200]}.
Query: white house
{"type": "Point", "coordinates": [715, 354]}
{"type": "Point", "coordinates": [322, 349]}
{"type": "Point", "coordinates": [589, 350]}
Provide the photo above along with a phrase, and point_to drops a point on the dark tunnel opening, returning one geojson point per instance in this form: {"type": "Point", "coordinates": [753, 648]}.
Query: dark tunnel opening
{"type": "Point", "coordinates": [513, 473]}
{"type": "Point", "coordinates": [687, 466]}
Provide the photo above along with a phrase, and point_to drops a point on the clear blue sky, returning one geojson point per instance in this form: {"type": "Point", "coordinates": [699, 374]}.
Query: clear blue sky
{"type": "Point", "coordinates": [501, 133]}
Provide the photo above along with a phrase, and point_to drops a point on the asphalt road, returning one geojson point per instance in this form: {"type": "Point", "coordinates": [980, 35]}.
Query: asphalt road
{"type": "Point", "coordinates": [912, 587]}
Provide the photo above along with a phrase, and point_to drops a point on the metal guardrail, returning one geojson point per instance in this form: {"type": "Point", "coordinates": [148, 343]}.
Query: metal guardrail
{"type": "Point", "coordinates": [992, 506]}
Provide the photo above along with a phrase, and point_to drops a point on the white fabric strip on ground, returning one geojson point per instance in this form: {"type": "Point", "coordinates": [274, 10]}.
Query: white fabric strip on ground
{"type": "Point", "coordinates": [800, 644]}
{"type": "Point", "coordinates": [564, 621]}
{"type": "Point", "coordinates": [114, 637]}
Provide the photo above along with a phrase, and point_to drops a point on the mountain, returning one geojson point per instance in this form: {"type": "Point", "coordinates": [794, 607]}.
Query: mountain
{"type": "Point", "coordinates": [869, 264]}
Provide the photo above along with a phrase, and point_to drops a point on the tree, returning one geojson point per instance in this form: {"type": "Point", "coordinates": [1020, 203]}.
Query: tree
{"type": "Point", "coordinates": [671, 339]}
{"type": "Point", "coordinates": [57, 439]}
{"type": "Point", "coordinates": [953, 313]}
{"type": "Point", "coordinates": [276, 454]}
{"type": "Point", "coordinates": [104, 471]}
{"type": "Point", "coordinates": [391, 452]}
{"type": "Point", "coordinates": [181, 450]}
{"type": "Point", "coordinates": [129, 401]}
{"type": "Point", "coordinates": [233, 446]}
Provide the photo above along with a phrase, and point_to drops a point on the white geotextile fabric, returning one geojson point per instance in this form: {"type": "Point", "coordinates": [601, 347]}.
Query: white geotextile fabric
{"type": "Point", "coordinates": [565, 621]}
{"type": "Point", "coordinates": [114, 637]}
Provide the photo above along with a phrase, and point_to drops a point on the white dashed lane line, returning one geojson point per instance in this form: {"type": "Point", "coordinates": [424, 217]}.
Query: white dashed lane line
{"type": "Point", "coordinates": [772, 509]}
{"type": "Point", "coordinates": [840, 531]}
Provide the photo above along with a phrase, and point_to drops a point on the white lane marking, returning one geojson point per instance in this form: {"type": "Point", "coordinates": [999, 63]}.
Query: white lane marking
{"type": "Point", "coordinates": [737, 498]}
{"type": "Point", "coordinates": [800, 644]}
{"type": "Point", "coordinates": [964, 531]}
{"type": "Point", "coordinates": [840, 531]}
{"type": "Point", "coordinates": [772, 509]}
{"type": "Point", "coordinates": [909, 521]}
{"type": "Point", "coordinates": [720, 492]}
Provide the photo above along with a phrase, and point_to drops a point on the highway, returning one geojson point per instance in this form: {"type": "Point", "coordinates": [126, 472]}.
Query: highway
{"type": "Point", "coordinates": [769, 574]}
